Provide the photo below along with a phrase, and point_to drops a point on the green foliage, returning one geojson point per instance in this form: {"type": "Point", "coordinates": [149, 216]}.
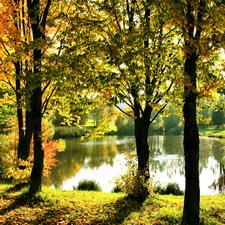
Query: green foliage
{"type": "Point", "coordinates": [7, 111]}
{"type": "Point", "coordinates": [212, 131]}
{"type": "Point", "coordinates": [88, 185]}
{"type": "Point", "coordinates": [73, 118]}
{"type": "Point", "coordinates": [171, 188]}
{"type": "Point", "coordinates": [125, 126]}
{"type": "Point", "coordinates": [69, 131]}
{"type": "Point", "coordinates": [132, 182]}
{"type": "Point", "coordinates": [171, 125]}
{"type": "Point", "coordinates": [218, 117]}
{"type": "Point", "coordinates": [116, 189]}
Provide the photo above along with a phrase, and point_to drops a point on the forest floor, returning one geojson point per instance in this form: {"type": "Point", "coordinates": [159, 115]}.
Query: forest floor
{"type": "Point", "coordinates": [88, 208]}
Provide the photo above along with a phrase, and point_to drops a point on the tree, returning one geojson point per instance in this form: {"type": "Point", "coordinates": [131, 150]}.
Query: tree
{"type": "Point", "coordinates": [14, 24]}
{"type": "Point", "coordinates": [29, 51]}
{"type": "Point", "coordinates": [138, 44]}
{"type": "Point", "coordinates": [38, 21]}
{"type": "Point", "coordinates": [218, 117]}
{"type": "Point", "coordinates": [202, 41]}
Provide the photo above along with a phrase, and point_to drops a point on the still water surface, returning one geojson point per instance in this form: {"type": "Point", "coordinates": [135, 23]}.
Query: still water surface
{"type": "Point", "coordinates": [103, 158]}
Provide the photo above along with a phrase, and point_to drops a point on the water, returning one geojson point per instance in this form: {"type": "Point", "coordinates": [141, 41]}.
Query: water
{"type": "Point", "coordinates": [103, 158]}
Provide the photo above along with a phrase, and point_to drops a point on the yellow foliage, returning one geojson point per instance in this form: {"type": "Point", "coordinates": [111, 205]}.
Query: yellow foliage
{"type": "Point", "coordinates": [12, 164]}
{"type": "Point", "coordinates": [133, 182]}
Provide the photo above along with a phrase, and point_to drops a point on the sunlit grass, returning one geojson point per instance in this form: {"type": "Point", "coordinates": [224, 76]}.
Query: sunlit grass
{"type": "Point", "coordinates": [87, 207]}
{"type": "Point", "coordinates": [212, 131]}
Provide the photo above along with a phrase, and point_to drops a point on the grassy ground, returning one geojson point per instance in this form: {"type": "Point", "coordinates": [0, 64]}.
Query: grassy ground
{"type": "Point", "coordinates": [82, 207]}
{"type": "Point", "coordinates": [212, 131]}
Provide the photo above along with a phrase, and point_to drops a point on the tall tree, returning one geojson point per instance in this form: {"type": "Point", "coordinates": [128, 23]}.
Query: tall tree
{"type": "Point", "coordinates": [14, 23]}
{"type": "Point", "coordinates": [30, 52]}
{"type": "Point", "coordinates": [138, 40]}
{"type": "Point", "coordinates": [191, 135]}
{"type": "Point", "coordinates": [38, 21]}
{"type": "Point", "coordinates": [202, 41]}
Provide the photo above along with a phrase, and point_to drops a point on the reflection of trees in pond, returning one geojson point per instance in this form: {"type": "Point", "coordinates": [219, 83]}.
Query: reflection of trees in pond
{"type": "Point", "coordinates": [173, 145]}
{"type": "Point", "coordinates": [171, 167]}
{"type": "Point", "coordinates": [218, 149]}
{"type": "Point", "coordinates": [100, 154]}
{"type": "Point", "coordinates": [79, 154]}
{"type": "Point", "coordinates": [221, 180]}
{"type": "Point", "coordinates": [164, 146]}
{"type": "Point", "coordinates": [205, 152]}
{"type": "Point", "coordinates": [211, 149]}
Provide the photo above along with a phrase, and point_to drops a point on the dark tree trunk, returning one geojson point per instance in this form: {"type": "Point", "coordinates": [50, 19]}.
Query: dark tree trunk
{"type": "Point", "coordinates": [143, 152]}
{"type": "Point", "coordinates": [141, 126]}
{"type": "Point", "coordinates": [36, 110]}
{"type": "Point", "coordinates": [25, 132]}
{"type": "Point", "coordinates": [38, 165]}
{"type": "Point", "coordinates": [21, 148]}
{"type": "Point", "coordinates": [191, 151]}
{"type": "Point", "coordinates": [142, 147]}
{"type": "Point", "coordinates": [38, 25]}
{"type": "Point", "coordinates": [191, 136]}
{"type": "Point", "coordinates": [24, 122]}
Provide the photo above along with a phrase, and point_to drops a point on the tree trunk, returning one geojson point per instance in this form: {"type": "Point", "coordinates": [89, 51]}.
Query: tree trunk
{"type": "Point", "coordinates": [142, 123]}
{"type": "Point", "coordinates": [38, 165]}
{"type": "Point", "coordinates": [142, 147]}
{"type": "Point", "coordinates": [191, 147]}
{"type": "Point", "coordinates": [38, 25]}
{"type": "Point", "coordinates": [25, 135]}
{"type": "Point", "coordinates": [24, 122]}
{"type": "Point", "coordinates": [192, 36]}
{"type": "Point", "coordinates": [22, 151]}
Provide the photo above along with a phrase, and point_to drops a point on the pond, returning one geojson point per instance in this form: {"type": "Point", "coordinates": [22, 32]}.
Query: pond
{"type": "Point", "coordinates": [102, 159]}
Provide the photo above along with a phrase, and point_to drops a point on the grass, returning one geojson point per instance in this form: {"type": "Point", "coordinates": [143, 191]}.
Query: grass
{"type": "Point", "coordinates": [212, 131]}
{"type": "Point", "coordinates": [88, 208]}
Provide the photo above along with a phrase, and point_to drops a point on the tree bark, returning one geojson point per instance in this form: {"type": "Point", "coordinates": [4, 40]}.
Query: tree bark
{"type": "Point", "coordinates": [191, 149]}
{"type": "Point", "coordinates": [141, 126]}
{"type": "Point", "coordinates": [24, 132]}
{"type": "Point", "coordinates": [192, 36]}
{"type": "Point", "coordinates": [38, 26]}
{"type": "Point", "coordinates": [38, 165]}
{"type": "Point", "coordinates": [142, 147]}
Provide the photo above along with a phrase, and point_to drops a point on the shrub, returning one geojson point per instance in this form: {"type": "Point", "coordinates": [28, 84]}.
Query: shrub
{"type": "Point", "coordinates": [171, 188]}
{"type": "Point", "coordinates": [69, 131]}
{"type": "Point", "coordinates": [88, 185]}
{"type": "Point", "coordinates": [132, 182]}
{"type": "Point", "coordinates": [116, 189]}
{"type": "Point", "coordinates": [11, 165]}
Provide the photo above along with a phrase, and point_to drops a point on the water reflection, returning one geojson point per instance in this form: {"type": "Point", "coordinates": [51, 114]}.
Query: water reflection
{"type": "Point", "coordinates": [102, 159]}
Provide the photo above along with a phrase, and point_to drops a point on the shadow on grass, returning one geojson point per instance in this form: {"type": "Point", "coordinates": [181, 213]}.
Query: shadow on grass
{"type": "Point", "coordinates": [21, 199]}
{"type": "Point", "coordinates": [15, 188]}
{"type": "Point", "coordinates": [119, 211]}
{"type": "Point", "coordinates": [46, 214]}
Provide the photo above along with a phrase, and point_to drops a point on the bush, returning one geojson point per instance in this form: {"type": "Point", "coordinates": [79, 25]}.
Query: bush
{"type": "Point", "coordinates": [69, 132]}
{"type": "Point", "coordinates": [125, 126]}
{"type": "Point", "coordinates": [133, 182]}
{"type": "Point", "coordinates": [116, 189]}
{"type": "Point", "coordinates": [88, 185]}
{"type": "Point", "coordinates": [10, 164]}
{"type": "Point", "coordinates": [171, 188]}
